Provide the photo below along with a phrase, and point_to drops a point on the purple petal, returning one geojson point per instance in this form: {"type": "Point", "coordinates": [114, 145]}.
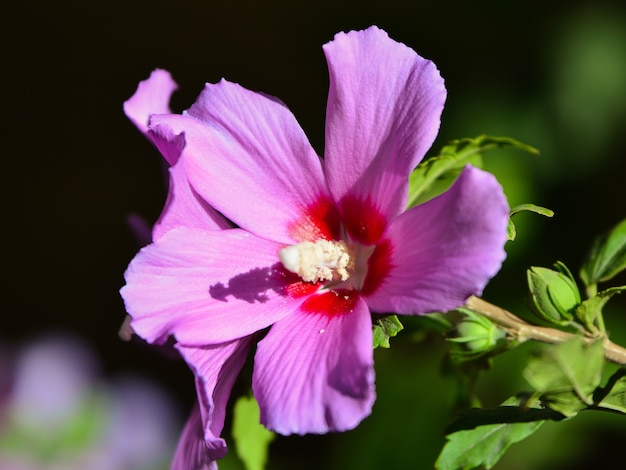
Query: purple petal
{"type": "Point", "coordinates": [216, 368]}
{"type": "Point", "coordinates": [313, 372]}
{"type": "Point", "coordinates": [207, 287]}
{"type": "Point", "coordinates": [383, 114]}
{"type": "Point", "coordinates": [152, 97]}
{"type": "Point", "coordinates": [192, 452]}
{"type": "Point", "coordinates": [184, 208]}
{"type": "Point", "coordinates": [446, 249]}
{"type": "Point", "coordinates": [248, 158]}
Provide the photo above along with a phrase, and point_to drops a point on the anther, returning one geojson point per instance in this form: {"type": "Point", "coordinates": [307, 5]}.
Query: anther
{"type": "Point", "coordinates": [323, 260]}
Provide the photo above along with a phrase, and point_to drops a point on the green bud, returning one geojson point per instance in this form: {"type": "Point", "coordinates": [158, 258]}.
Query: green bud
{"type": "Point", "coordinates": [554, 294]}
{"type": "Point", "coordinates": [476, 335]}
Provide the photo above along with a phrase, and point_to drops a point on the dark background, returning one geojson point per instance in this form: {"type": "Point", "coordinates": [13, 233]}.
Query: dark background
{"type": "Point", "coordinates": [552, 74]}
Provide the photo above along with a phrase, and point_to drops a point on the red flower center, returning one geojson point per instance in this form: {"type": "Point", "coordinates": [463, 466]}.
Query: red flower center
{"type": "Point", "coordinates": [343, 253]}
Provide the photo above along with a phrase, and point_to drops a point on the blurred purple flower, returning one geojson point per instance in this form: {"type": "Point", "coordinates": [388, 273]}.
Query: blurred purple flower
{"type": "Point", "coordinates": [320, 244]}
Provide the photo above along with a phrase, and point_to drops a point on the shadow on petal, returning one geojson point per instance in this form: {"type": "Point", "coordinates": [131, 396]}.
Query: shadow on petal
{"type": "Point", "coordinates": [254, 285]}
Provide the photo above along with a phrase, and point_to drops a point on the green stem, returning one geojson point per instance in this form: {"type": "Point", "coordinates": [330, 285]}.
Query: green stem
{"type": "Point", "coordinates": [524, 331]}
{"type": "Point", "coordinates": [600, 322]}
{"type": "Point", "coordinates": [591, 290]}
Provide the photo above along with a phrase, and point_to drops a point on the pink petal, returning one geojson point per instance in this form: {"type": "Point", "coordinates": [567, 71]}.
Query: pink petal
{"type": "Point", "coordinates": [444, 250]}
{"type": "Point", "coordinates": [169, 143]}
{"type": "Point", "coordinates": [383, 114]}
{"type": "Point", "coordinates": [192, 452]}
{"type": "Point", "coordinates": [216, 368]}
{"type": "Point", "coordinates": [152, 97]}
{"type": "Point", "coordinates": [184, 208]}
{"type": "Point", "coordinates": [208, 287]}
{"type": "Point", "coordinates": [248, 158]}
{"type": "Point", "coordinates": [313, 372]}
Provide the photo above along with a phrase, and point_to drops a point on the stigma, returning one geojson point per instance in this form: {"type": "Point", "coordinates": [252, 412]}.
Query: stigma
{"type": "Point", "coordinates": [322, 260]}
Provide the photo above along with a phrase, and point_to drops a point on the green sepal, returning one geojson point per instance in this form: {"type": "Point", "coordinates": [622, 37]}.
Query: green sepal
{"type": "Point", "coordinates": [589, 312]}
{"type": "Point", "coordinates": [434, 175]}
{"type": "Point", "coordinates": [479, 438]}
{"type": "Point", "coordinates": [566, 375]}
{"type": "Point", "coordinates": [251, 438]}
{"type": "Point", "coordinates": [511, 231]}
{"type": "Point", "coordinates": [384, 328]}
{"type": "Point", "coordinates": [607, 256]}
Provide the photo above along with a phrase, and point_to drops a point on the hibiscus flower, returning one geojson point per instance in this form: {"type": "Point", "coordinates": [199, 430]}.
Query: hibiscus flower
{"type": "Point", "coordinates": [262, 241]}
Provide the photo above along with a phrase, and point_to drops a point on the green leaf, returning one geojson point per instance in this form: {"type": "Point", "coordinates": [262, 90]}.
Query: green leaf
{"type": "Point", "coordinates": [484, 444]}
{"type": "Point", "coordinates": [607, 256]}
{"type": "Point", "coordinates": [589, 312]}
{"type": "Point", "coordinates": [566, 375]}
{"type": "Point", "coordinates": [252, 439]}
{"type": "Point", "coordinates": [616, 400]}
{"type": "Point", "coordinates": [613, 396]}
{"type": "Point", "coordinates": [532, 208]}
{"type": "Point", "coordinates": [434, 175]}
{"type": "Point", "coordinates": [435, 321]}
{"type": "Point", "coordinates": [384, 328]}
{"type": "Point", "coordinates": [512, 232]}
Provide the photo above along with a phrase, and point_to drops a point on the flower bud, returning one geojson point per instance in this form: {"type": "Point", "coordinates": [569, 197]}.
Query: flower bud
{"type": "Point", "coordinates": [553, 294]}
{"type": "Point", "coordinates": [476, 335]}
